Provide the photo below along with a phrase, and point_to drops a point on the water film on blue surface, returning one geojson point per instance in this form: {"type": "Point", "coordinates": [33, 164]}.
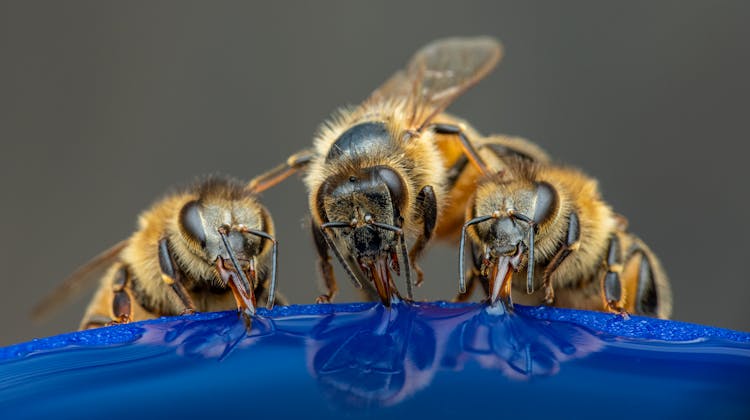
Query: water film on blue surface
{"type": "Point", "coordinates": [425, 360]}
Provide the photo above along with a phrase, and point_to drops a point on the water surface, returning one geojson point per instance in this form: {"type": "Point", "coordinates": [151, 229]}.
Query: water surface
{"type": "Point", "coordinates": [343, 361]}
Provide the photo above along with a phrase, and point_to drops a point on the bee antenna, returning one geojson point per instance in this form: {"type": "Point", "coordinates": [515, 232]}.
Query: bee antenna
{"type": "Point", "coordinates": [335, 225]}
{"type": "Point", "coordinates": [388, 227]}
{"type": "Point", "coordinates": [530, 267]}
{"type": "Point", "coordinates": [274, 257]}
{"type": "Point", "coordinates": [462, 245]}
{"type": "Point", "coordinates": [407, 273]}
{"type": "Point", "coordinates": [245, 283]}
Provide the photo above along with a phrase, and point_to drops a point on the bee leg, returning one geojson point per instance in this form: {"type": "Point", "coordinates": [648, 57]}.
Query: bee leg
{"type": "Point", "coordinates": [641, 279]}
{"type": "Point", "coordinates": [621, 222]}
{"type": "Point", "coordinates": [280, 300]}
{"type": "Point", "coordinates": [95, 321]}
{"type": "Point", "coordinates": [324, 265]}
{"type": "Point", "coordinates": [469, 149]}
{"type": "Point", "coordinates": [261, 292]}
{"type": "Point", "coordinates": [293, 164]}
{"type": "Point", "coordinates": [172, 276]}
{"type": "Point", "coordinates": [427, 212]}
{"type": "Point", "coordinates": [647, 301]}
{"type": "Point", "coordinates": [572, 243]}
{"type": "Point", "coordinates": [122, 309]}
{"type": "Point", "coordinates": [611, 286]}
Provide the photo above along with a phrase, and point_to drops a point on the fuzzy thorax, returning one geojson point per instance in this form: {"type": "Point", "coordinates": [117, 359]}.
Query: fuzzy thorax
{"type": "Point", "coordinates": [414, 157]}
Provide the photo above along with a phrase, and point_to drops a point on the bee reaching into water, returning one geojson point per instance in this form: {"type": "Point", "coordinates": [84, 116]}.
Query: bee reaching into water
{"type": "Point", "coordinates": [208, 248]}
{"type": "Point", "coordinates": [381, 175]}
{"type": "Point", "coordinates": [545, 227]}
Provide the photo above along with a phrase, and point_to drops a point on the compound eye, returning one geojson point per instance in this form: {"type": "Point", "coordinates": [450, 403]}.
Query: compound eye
{"type": "Point", "coordinates": [395, 185]}
{"type": "Point", "coordinates": [191, 223]}
{"type": "Point", "coordinates": [546, 202]}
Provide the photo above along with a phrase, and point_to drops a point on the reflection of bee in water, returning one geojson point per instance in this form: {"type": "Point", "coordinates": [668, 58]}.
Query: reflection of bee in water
{"type": "Point", "coordinates": [553, 219]}
{"type": "Point", "coordinates": [375, 358]}
{"type": "Point", "coordinates": [520, 347]}
{"type": "Point", "coordinates": [380, 175]}
{"type": "Point", "coordinates": [381, 358]}
{"type": "Point", "coordinates": [207, 248]}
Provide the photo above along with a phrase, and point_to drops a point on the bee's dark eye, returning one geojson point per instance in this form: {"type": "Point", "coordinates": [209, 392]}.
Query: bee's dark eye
{"type": "Point", "coordinates": [191, 223]}
{"type": "Point", "coordinates": [546, 202]}
{"type": "Point", "coordinates": [395, 185]}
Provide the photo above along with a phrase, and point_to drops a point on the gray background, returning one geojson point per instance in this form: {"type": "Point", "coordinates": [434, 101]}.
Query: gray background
{"type": "Point", "coordinates": [104, 107]}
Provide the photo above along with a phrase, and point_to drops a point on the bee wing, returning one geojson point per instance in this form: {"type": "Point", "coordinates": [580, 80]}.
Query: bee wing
{"type": "Point", "coordinates": [438, 74]}
{"type": "Point", "coordinates": [77, 280]}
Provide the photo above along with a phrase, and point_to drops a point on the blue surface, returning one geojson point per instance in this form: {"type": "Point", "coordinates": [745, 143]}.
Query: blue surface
{"type": "Point", "coordinates": [329, 361]}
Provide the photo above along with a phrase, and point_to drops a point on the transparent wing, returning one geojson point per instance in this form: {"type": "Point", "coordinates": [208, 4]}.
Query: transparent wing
{"type": "Point", "coordinates": [73, 284]}
{"type": "Point", "coordinates": [438, 74]}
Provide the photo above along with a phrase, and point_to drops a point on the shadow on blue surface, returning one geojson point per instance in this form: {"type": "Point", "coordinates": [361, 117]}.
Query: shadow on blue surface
{"type": "Point", "coordinates": [438, 360]}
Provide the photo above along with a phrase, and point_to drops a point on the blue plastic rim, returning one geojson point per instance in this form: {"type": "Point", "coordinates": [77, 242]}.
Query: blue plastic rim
{"type": "Point", "coordinates": [342, 361]}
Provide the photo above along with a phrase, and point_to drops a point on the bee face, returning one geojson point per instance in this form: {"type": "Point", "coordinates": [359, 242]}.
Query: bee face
{"type": "Point", "coordinates": [366, 206]}
{"type": "Point", "coordinates": [367, 196]}
{"type": "Point", "coordinates": [510, 212]}
{"type": "Point", "coordinates": [511, 204]}
{"type": "Point", "coordinates": [200, 222]}
{"type": "Point", "coordinates": [352, 208]}
{"type": "Point", "coordinates": [503, 233]}
{"type": "Point", "coordinates": [504, 236]}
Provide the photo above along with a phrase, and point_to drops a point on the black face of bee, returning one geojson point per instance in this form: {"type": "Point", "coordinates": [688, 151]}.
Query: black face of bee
{"type": "Point", "coordinates": [359, 140]}
{"type": "Point", "coordinates": [375, 194]}
{"type": "Point", "coordinates": [199, 225]}
{"type": "Point", "coordinates": [504, 235]}
{"type": "Point", "coordinates": [520, 205]}
{"type": "Point", "coordinates": [367, 240]}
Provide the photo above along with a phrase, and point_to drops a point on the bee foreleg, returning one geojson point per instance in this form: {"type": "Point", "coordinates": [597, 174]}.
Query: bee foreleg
{"type": "Point", "coordinates": [292, 165]}
{"type": "Point", "coordinates": [261, 292]}
{"type": "Point", "coordinates": [572, 243]}
{"type": "Point", "coordinates": [172, 276]}
{"type": "Point", "coordinates": [324, 265]}
{"type": "Point", "coordinates": [611, 286]}
{"type": "Point", "coordinates": [280, 300]}
{"type": "Point", "coordinates": [427, 212]}
{"type": "Point", "coordinates": [95, 321]}
{"type": "Point", "coordinates": [469, 149]}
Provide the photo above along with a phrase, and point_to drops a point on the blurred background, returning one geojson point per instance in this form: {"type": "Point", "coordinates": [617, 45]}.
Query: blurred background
{"type": "Point", "coordinates": [104, 107]}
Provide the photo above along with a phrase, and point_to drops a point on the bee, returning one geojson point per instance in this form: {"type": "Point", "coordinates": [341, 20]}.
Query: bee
{"type": "Point", "coordinates": [380, 175]}
{"type": "Point", "coordinates": [210, 247]}
{"type": "Point", "coordinates": [549, 225]}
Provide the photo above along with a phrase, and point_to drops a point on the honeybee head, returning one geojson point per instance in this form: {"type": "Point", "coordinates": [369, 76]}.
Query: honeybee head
{"type": "Point", "coordinates": [504, 219]}
{"type": "Point", "coordinates": [200, 221]}
{"type": "Point", "coordinates": [228, 232]}
{"type": "Point", "coordinates": [362, 211]}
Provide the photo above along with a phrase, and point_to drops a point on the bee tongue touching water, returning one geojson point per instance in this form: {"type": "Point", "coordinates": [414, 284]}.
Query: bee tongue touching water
{"type": "Point", "coordinates": [241, 288]}
{"type": "Point", "coordinates": [501, 277]}
{"type": "Point", "coordinates": [380, 274]}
